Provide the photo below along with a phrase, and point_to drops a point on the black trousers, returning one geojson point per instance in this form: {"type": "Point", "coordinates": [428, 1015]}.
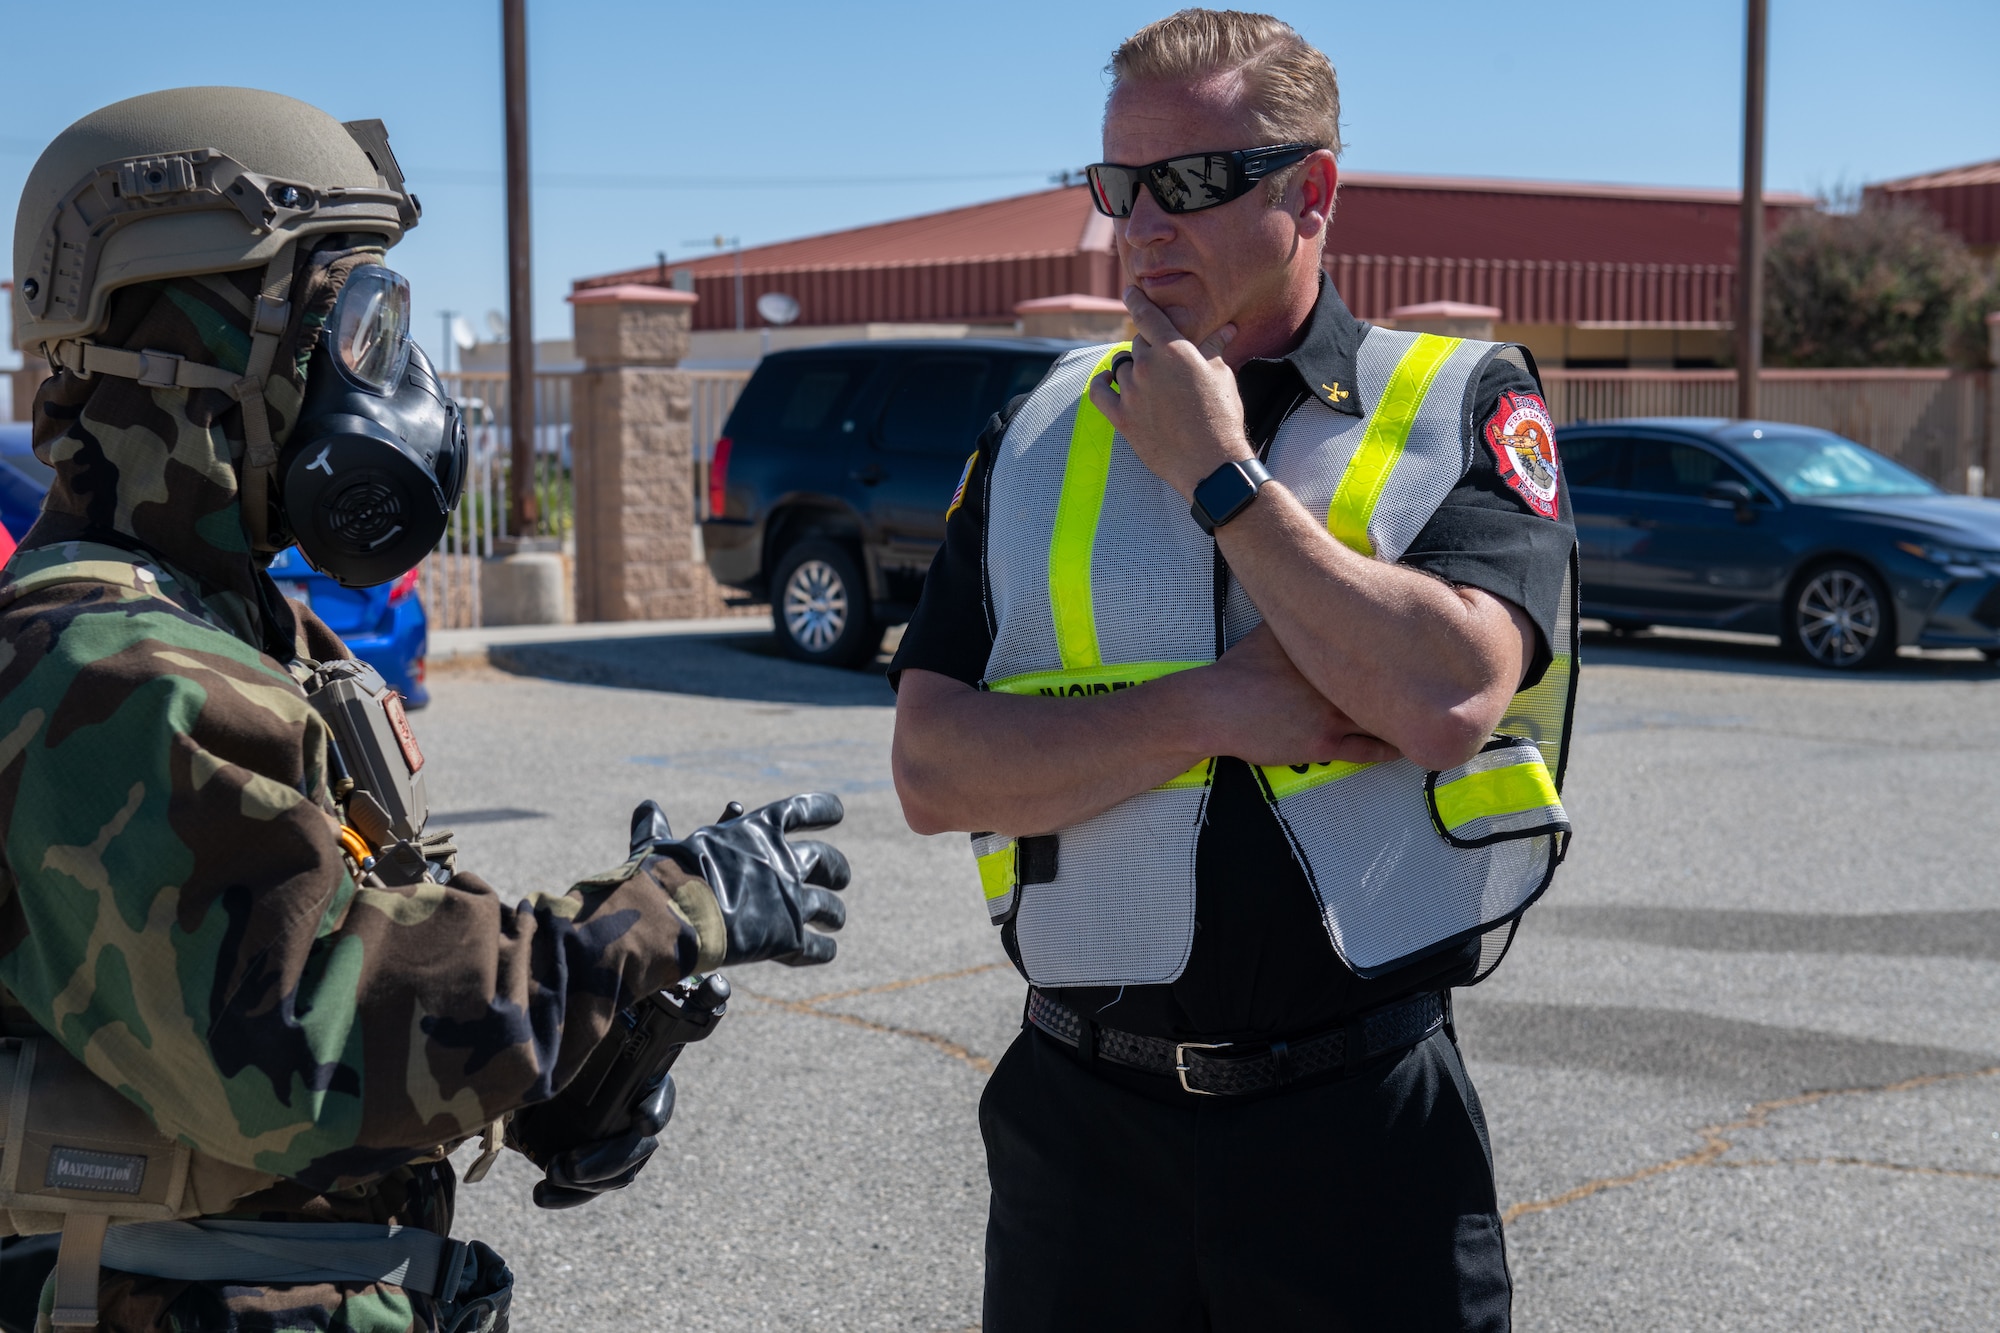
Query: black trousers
{"type": "Point", "coordinates": [1362, 1203]}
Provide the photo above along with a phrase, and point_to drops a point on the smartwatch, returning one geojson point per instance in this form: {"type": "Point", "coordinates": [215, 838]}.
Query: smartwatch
{"type": "Point", "coordinates": [1227, 492]}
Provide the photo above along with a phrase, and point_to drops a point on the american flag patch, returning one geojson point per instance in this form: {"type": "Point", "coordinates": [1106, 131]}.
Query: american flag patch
{"type": "Point", "coordinates": [958, 496]}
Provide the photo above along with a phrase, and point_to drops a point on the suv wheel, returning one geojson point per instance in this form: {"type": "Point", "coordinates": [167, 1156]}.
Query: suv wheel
{"type": "Point", "coordinates": [820, 607]}
{"type": "Point", "coordinates": [1839, 616]}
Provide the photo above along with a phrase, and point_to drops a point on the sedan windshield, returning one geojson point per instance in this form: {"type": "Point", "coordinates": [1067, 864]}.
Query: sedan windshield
{"type": "Point", "coordinates": [1810, 466]}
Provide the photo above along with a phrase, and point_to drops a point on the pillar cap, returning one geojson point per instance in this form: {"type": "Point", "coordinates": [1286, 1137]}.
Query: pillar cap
{"type": "Point", "coordinates": [631, 293]}
{"type": "Point", "coordinates": [1445, 310]}
{"type": "Point", "coordinates": [1070, 303]}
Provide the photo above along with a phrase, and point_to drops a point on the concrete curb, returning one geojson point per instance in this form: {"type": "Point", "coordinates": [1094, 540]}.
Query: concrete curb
{"type": "Point", "coordinates": [469, 647]}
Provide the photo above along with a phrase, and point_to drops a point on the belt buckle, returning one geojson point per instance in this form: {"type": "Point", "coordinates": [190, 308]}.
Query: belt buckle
{"type": "Point", "coordinates": [1181, 1048]}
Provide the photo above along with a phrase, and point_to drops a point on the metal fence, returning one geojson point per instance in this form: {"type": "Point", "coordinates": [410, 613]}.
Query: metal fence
{"type": "Point", "coordinates": [449, 584]}
{"type": "Point", "coordinates": [1936, 422]}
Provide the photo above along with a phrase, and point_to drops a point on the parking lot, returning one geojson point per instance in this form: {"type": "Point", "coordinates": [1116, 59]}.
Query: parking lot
{"type": "Point", "coordinates": [1742, 1067]}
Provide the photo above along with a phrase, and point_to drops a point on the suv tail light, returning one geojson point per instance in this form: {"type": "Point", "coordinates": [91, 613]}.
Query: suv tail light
{"type": "Point", "coordinates": [718, 477]}
{"type": "Point", "coordinates": [405, 585]}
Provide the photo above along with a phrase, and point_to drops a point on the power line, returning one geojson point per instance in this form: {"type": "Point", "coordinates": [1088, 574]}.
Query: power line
{"type": "Point", "coordinates": [582, 180]}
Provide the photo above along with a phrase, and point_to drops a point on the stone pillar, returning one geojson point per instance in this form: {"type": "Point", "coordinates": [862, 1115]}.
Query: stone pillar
{"type": "Point", "coordinates": [1097, 319]}
{"type": "Point", "coordinates": [632, 446]}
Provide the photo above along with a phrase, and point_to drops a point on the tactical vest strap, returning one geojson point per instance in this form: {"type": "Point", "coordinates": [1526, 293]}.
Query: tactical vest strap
{"type": "Point", "coordinates": [76, 1271]}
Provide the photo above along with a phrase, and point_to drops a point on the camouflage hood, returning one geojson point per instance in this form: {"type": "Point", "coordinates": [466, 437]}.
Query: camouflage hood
{"type": "Point", "coordinates": [159, 467]}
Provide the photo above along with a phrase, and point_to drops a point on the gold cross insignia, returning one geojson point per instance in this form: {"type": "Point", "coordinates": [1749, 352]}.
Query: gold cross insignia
{"type": "Point", "coordinates": [1335, 392]}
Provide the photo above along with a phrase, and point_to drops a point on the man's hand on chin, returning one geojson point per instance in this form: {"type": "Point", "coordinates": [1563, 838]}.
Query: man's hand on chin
{"type": "Point", "coordinates": [1175, 401]}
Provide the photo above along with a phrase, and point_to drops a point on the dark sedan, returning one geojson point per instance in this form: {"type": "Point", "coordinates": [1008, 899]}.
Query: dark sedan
{"type": "Point", "coordinates": [1778, 529]}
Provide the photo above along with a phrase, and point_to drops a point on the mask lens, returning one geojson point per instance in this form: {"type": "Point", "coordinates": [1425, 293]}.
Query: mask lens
{"type": "Point", "coordinates": [371, 326]}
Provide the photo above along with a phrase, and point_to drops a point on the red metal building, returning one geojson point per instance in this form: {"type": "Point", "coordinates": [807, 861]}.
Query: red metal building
{"type": "Point", "coordinates": [1966, 200]}
{"type": "Point", "coordinates": [1585, 274]}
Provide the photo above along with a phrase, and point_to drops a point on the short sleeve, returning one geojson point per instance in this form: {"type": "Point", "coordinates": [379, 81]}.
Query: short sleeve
{"type": "Point", "coordinates": [951, 632]}
{"type": "Point", "coordinates": [1506, 528]}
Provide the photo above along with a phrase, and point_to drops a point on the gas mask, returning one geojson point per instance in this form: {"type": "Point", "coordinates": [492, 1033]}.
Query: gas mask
{"type": "Point", "coordinates": [376, 462]}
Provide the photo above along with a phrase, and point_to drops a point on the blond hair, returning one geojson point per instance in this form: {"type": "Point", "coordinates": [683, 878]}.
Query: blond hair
{"type": "Point", "coordinates": [1290, 86]}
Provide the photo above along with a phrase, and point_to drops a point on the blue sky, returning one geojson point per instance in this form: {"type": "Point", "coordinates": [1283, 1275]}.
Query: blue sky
{"type": "Point", "coordinates": [656, 124]}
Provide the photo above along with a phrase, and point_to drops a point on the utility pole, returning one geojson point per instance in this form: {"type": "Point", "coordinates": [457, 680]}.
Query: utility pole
{"type": "Point", "coordinates": [523, 506]}
{"type": "Point", "coordinates": [735, 244]}
{"type": "Point", "coordinates": [1750, 249]}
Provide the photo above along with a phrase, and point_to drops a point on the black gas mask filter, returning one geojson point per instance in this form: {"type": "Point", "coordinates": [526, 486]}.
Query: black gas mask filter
{"type": "Point", "coordinates": [376, 463]}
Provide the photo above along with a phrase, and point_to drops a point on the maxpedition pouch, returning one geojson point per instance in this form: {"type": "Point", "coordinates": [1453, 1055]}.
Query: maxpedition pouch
{"type": "Point", "coordinates": [75, 1156]}
{"type": "Point", "coordinates": [70, 1144]}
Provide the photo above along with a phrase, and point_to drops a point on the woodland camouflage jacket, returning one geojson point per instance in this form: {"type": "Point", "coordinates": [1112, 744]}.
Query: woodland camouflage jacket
{"type": "Point", "coordinates": [175, 907]}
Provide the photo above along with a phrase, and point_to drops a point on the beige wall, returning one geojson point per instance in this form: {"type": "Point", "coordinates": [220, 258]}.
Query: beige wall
{"type": "Point", "coordinates": [1640, 348]}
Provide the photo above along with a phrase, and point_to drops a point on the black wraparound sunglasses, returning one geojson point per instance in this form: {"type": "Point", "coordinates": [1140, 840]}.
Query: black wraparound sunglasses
{"type": "Point", "coordinates": [1192, 182]}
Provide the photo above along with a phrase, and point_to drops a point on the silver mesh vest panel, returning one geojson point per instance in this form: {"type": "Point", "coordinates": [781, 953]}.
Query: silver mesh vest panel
{"type": "Point", "coordinates": [1389, 884]}
{"type": "Point", "coordinates": [1121, 906]}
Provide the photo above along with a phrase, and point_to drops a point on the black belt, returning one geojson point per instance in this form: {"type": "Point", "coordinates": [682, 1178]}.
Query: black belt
{"type": "Point", "coordinates": [1233, 1069]}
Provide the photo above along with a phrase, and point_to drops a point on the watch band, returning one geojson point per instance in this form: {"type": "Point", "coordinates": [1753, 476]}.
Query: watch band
{"type": "Point", "coordinates": [1227, 492]}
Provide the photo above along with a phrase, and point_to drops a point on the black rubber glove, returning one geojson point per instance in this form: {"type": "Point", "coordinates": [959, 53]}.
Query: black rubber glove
{"type": "Point", "coordinates": [768, 888]}
{"type": "Point", "coordinates": [580, 1174]}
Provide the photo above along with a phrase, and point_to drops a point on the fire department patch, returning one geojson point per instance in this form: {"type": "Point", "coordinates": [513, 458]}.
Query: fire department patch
{"type": "Point", "coordinates": [1523, 440]}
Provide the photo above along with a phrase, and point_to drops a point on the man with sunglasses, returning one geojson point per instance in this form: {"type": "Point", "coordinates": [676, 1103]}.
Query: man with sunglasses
{"type": "Point", "coordinates": [1247, 663]}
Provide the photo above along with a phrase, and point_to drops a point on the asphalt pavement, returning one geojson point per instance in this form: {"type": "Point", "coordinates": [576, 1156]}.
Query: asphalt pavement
{"type": "Point", "coordinates": [1742, 1066]}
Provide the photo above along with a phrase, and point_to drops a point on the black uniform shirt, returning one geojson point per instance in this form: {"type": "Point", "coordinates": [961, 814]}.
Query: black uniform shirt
{"type": "Point", "coordinates": [1262, 966]}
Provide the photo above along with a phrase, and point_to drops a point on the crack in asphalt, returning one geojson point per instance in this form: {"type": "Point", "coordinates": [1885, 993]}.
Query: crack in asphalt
{"type": "Point", "coordinates": [904, 984]}
{"type": "Point", "coordinates": [1715, 1144]}
{"type": "Point", "coordinates": [810, 1007]}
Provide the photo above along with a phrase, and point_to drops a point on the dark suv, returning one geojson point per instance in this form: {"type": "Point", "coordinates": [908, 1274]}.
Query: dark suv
{"type": "Point", "coordinates": [834, 471]}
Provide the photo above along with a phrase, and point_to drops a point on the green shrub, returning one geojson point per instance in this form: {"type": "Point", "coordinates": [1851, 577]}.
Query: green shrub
{"type": "Point", "coordinates": [1884, 286]}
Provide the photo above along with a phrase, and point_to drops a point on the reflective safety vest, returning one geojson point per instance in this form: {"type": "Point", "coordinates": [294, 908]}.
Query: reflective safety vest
{"type": "Point", "coordinates": [1099, 580]}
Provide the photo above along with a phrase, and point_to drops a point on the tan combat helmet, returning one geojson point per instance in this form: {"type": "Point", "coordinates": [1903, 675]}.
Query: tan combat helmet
{"type": "Point", "coordinates": [184, 181]}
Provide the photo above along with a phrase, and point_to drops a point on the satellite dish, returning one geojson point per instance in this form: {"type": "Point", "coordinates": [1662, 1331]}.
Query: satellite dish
{"type": "Point", "coordinates": [777, 308]}
{"type": "Point", "coordinates": [496, 326]}
{"type": "Point", "coordinates": [462, 335]}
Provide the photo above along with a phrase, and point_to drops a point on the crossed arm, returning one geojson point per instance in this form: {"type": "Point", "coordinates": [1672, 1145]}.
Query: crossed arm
{"type": "Point", "coordinates": [1357, 660]}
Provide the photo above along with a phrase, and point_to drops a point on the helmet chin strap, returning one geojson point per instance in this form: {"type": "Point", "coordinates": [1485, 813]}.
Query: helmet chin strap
{"type": "Point", "coordinates": [269, 319]}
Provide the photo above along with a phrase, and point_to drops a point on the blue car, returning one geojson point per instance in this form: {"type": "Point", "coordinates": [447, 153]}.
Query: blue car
{"type": "Point", "coordinates": [1778, 529]}
{"type": "Point", "coordinates": [383, 626]}
{"type": "Point", "coordinates": [24, 478]}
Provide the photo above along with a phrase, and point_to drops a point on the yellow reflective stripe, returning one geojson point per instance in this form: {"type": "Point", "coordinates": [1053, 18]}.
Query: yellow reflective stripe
{"type": "Point", "coordinates": [996, 872]}
{"type": "Point", "coordinates": [1085, 474]}
{"type": "Point", "coordinates": [1497, 791]}
{"type": "Point", "coordinates": [1198, 776]}
{"type": "Point", "coordinates": [1102, 679]}
{"type": "Point", "coordinates": [1389, 424]}
{"type": "Point", "coordinates": [1106, 679]}
{"type": "Point", "coordinates": [1291, 779]}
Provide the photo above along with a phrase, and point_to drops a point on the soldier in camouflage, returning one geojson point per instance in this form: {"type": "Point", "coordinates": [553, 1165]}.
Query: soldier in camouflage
{"type": "Point", "coordinates": [181, 908]}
